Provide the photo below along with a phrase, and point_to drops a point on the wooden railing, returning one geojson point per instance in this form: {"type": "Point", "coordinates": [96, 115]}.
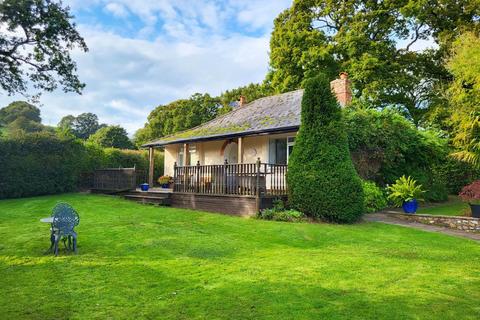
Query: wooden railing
{"type": "Point", "coordinates": [250, 179]}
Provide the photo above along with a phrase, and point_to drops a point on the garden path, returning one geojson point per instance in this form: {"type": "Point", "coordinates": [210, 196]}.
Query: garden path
{"type": "Point", "coordinates": [388, 218]}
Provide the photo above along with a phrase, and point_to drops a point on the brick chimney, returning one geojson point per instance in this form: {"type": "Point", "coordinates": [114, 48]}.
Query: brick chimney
{"type": "Point", "coordinates": [242, 101]}
{"type": "Point", "coordinates": [341, 89]}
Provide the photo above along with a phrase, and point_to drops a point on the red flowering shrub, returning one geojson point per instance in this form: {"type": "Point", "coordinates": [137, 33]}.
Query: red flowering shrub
{"type": "Point", "coordinates": [471, 192]}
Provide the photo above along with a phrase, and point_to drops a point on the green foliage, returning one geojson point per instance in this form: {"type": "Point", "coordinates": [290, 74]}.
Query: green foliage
{"type": "Point", "coordinates": [39, 163]}
{"type": "Point", "coordinates": [98, 157]}
{"type": "Point", "coordinates": [177, 116]}
{"type": "Point", "coordinates": [405, 189]}
{"type": "Point", "coordinates": [280, 213]}
{"type": "Point", "coordinates": [45, 163]}
{"type": "Point", "coordinates": [251, 92]}
{"type": "Point", "coordinates": [372, 41]}
{"type": "Point", "coordinates": [82, 126]}
{"type": "Point", "coordinates": [375, 199]}
{"type": "Point", "coordinates": [384, 145]}
{"type": "Point", "coordinates": [35, 46]}
{"type": "Point", "coordinates": [464, 97]}
{"type": "Point", "coordinates": [111, 137]}
{"type": "Point", "coordinates": [165, 180]}
{"type": "Point", "coordinates": [20, 117]}
{"type": "Point", "coordinates": [19, 109]}
{"type": "Point", "coordinates": [321, 177]}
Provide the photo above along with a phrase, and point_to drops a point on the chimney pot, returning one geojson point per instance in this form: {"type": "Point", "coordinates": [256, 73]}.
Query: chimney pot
{"type": "Point", "coordinates": [242, 101]}
{"type": "Point", "coordinates": [341, 88]}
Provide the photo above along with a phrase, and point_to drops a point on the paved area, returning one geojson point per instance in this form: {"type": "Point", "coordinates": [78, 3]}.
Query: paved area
{"type": "Point", "coordinates": [389, 218]}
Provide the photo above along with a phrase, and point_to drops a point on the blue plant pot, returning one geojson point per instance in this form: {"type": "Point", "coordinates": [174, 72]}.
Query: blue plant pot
{"type": "Point", "coordinates": [410, 206]}
{"type": "Point", "coordinates": [144, 187]}
{"type": "Point", "coordinates": [165, 185]}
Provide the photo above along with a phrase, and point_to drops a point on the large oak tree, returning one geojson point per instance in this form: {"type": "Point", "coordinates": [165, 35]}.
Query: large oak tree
{"type": "Point", "coordinates": [36, 39]}
{"type": "Point", "coordinates": [373, 41]}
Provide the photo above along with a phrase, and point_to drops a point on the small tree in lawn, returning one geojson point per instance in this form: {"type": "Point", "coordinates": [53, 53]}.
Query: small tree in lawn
{"type": "Point", "coordinates": [321, 178]}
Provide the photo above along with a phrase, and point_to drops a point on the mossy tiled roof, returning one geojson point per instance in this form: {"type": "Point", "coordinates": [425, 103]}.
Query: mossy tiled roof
{"type": "Point", "coordinates": [270, 114]}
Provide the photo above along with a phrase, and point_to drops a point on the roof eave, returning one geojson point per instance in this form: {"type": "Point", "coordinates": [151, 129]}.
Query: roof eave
{"type": "Point", "coordinates": [224, 136]}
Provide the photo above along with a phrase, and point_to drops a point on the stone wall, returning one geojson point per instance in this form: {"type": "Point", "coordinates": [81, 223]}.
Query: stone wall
{"type": "Point", "coordinates": [467, 224]}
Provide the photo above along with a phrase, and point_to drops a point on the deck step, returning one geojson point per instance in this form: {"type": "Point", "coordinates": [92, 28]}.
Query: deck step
{"type": "Point", "coordinates": [149, 198]}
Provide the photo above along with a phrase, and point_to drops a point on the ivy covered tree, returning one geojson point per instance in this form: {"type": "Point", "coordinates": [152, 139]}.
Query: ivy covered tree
{"type": "Point", "coordinates": [374, 41]}
{"type": "Point", "coordinates": [18, 109]}
{"type": "Point", "coordinates": [111, 137]}
{"type": "Point", "coordinates": [321, 178]}
{"type": "Point", "coordinates": [20, 117]}
{"type": "Point", "coordinates": [35, 43]}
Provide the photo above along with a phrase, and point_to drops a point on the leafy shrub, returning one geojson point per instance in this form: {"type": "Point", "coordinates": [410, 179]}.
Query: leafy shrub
{"type": "Point", "coordinates": [375, 199]}
{"type": "Point", "coordinates": [280, 213]}
{"type": "Point", "coordinates": [471, 192]}
{"type": "Point", "coordinates": [405, 189]}
{"type": "Point", "coordinates": [321, 178]}
{"type": "Point", "coordinates": [384, 145]}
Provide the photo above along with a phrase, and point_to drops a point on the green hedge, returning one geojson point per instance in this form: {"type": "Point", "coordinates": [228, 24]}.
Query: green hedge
{"type": "Point", "coordinates": [44, 163]}
{"type": "Point", "coordinates": [321, 178]}
{"type": "Point", "coordinates": [39, 163]}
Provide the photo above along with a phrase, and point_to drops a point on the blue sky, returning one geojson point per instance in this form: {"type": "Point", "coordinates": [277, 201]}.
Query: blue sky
{"type": "Point", "coordinates": [149, 52]}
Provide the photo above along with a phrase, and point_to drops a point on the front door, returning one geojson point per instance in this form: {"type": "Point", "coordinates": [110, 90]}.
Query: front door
{"type": "Point", "coordinates": [231, 152]}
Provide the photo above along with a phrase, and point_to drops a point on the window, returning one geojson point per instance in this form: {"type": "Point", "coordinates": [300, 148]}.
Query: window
{"type": "Point", "coordinates": [192, 154]}
{"type": "Point", "coordinates": [180, 157]}
{"type": "Point", "coordinates": [290, 144]}
{"type": "Point", "coordinates": [280, 149]}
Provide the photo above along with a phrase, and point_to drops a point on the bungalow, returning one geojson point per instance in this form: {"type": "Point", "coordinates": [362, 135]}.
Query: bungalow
{"type": "Point", "coordinates": [237, 162]}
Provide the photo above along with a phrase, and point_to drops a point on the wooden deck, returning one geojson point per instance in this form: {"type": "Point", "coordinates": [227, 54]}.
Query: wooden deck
{"type": "Point", "coordinates": [239, 189]}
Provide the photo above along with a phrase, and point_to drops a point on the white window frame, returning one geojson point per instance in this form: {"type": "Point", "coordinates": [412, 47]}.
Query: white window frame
{"type": "Point", "coordinates": [290, 143]}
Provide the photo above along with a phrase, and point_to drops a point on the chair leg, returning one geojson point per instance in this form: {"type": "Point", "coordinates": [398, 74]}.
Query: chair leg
{"type": "Point", "coordinates": [52, 241]}
{"type": "Point", "coordinates": [75, 243]}
{"type": "Point", "coordinates": [57, 239]}
{"type": "Point", "coordinates": [69, 243]}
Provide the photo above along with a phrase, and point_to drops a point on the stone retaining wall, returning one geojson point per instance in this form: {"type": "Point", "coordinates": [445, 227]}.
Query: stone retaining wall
{"type": "Point", "coordinates": [467, 224]}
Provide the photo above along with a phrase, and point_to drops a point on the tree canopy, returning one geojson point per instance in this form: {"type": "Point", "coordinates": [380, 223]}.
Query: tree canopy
{"type": "Point", "coordinates": [35, 43]}
{"type": "Point", "coordinates": [82, 126]}
{"type": "Point", "coordinates": [373, 41]}
{"type": "Point", "coordinates": [177, 116]}
{"type": "Point", "coordinates": [19, 109]}
{"type": "Point", "coordinates": [464, 97]}
{"type": "Point", "coordinates": [20, 117]}
{"type": "Point", "coordinates": [111, 137]}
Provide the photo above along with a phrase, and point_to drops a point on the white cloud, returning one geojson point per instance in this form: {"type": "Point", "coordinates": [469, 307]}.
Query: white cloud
{"type": "Point", "coordinates": [117, 9]}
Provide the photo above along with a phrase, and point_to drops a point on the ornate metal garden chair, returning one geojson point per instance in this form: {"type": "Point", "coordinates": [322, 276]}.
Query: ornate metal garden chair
{"type": "Point", "coordinates": [65, 219]}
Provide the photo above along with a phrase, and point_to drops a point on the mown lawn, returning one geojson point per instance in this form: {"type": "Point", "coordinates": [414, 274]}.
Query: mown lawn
{"type": "Point", "coordinates": [140, 261]}
{"type": "Point", "coordinates": [454, 207]}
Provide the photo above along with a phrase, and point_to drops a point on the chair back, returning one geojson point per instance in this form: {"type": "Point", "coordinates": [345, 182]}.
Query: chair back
{"type": "Point", "coordinates": [65, 218]}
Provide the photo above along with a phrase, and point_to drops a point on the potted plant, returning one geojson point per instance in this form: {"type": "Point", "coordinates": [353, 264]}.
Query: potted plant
{"type": "Point", "coordinates": [405, 192]}
{"type": "Point", "coordinates": [165, 181]}
{"type": "Point", "coordinates": [471, 194]}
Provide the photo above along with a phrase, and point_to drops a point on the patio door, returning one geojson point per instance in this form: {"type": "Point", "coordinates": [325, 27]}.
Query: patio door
{"type": "Point", "coordinates": [231, 152]}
